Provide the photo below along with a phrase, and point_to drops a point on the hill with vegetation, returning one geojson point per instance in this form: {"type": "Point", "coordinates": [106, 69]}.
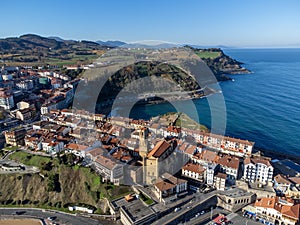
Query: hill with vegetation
{"type": "Point", "coordinates": [59, 184]}
{"type": "Point", "coordinates": [220, 63]}
{"type": "Point", "coordinates": [154, 70]}
{"type": "Point", "coordinates": [179, 119]}
{"type": "Point", "coordinates": [36, 50]}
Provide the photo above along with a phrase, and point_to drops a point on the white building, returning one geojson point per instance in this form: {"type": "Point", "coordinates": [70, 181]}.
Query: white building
{"type": "Point", "coordinates": [81, 209]}
{"type": "Point", "coordinates": [277, 211]}
{"type": "Point", "coordinates": [220, 181]}
{"type": "Point", "coordinates": [230, 166]}
{"type": "Point", "coordinates": [210, 173]}
{"type": "Point", "coordinates": [194, 171]}
{"type": "Point", "coordinates": [258, 170]}
{"type": "Point", "coordinates": [168, 187]}
{"type": "Point", "coordinates": [25, 85]}
{"type": "Point", "coordinates": [6, 98]}
{"type": "Point", "coordinates": [109, 169]}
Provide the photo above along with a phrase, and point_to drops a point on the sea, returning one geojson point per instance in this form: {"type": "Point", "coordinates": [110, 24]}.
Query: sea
{"type": "Point", "coordinates": [263, 107]}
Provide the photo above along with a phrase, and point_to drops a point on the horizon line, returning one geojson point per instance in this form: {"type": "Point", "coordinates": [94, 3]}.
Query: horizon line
{"type": "Point", "coordinates": [287, 46]}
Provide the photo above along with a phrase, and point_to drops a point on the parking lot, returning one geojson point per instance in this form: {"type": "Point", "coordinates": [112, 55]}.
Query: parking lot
{"type": "Point", "coordinates": [238, 219]}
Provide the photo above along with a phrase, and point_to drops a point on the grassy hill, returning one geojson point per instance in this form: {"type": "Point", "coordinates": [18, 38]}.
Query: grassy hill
{"type": "Point", "coordinates": [181, 120]}
{"type": "Point", "coordinates": [36, 50]}
{"type": "Point", "coordinates": [220, 63]}
{"type": "Point", "coordinates": [124, 77]}
{"type": "Point", "coordinates": [56, 186]}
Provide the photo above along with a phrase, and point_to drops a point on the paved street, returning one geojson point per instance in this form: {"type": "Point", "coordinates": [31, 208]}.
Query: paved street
{"type": "Point", "coordinates": [10, 167]}
{"type": "Point", "coordinates": [200, 219]}
{"type": "Point", "coordinates": [60, 218]}
{"type": "Point", "coordinates": [188, 208]}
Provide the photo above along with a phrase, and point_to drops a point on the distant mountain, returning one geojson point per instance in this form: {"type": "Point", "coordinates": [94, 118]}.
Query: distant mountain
{"type": "Point", "coordinates": [111, 43]}
{"type": "Point", "coordinates": [150, 45]}
{"type": "Point", "coordinates": [35, 49]}
{"type": "Point", "coordinates": [33, 41]}
{"type": "Point", "coordinates": [209, 46]}
{"type": "Point", "coordinates": [57, 38]}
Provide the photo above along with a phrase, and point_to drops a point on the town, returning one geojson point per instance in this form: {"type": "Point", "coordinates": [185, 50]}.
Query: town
{"type": "Point", "coordinates": [177, 175]}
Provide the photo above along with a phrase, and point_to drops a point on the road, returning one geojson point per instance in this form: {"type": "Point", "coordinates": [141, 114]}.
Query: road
{"type": "Point", "coordinates": [200, 219]}
{"type": "Point", "coordinates": [60, 218]}
{"type": "Point", "coordinates": [13, 167]}
{"type": "Point", "coordinates": [187, 208]}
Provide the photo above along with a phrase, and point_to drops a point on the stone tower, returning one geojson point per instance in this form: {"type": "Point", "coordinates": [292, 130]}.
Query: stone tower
{"type": "Point", "coordinates": [143, 150]}
{"type": "Point", "coordinates": [143, 146]}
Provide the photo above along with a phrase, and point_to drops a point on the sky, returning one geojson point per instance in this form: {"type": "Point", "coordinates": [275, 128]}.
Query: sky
{"type": "Point", "coordinates": [236, 23]}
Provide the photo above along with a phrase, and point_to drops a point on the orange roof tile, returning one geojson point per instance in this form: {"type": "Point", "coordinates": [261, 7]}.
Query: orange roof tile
{"type": "Point", "coordinates": [196, 168]}
{"type": "Point", "coordinates": [160, 148]}
{"type": "Point", "coordinates": [229, 161]}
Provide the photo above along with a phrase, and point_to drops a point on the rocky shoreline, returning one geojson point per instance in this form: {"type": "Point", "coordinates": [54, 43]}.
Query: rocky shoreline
{"type": "Point", "coordinates": [277, 155]}
{"type": "Point", "coordinates": [221, 64]}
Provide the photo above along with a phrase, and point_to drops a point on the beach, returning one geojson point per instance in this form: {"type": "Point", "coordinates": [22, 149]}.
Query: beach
{"type": "Point", "coordinates": [20, 222]}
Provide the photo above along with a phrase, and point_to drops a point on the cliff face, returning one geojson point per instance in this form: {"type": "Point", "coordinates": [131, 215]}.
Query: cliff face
{"type": "Point", "coordinates": [220, 63]}
{"type": "Point", "coordinates": [73, 186]}
{"type": "Point", "coordinates": [154, 70]}
{"type": "Point", "coordinates": [33, 190]}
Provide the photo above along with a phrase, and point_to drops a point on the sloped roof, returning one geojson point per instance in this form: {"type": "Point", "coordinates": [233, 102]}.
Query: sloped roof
{"type": "Point", "coordinates": [229, 161]}
{"type": "Point", "coordinates": [194, 168]}
{"type": "Point", "coordinates": [160, 148]}
{"type": "Point", "coordinates": [207, 155]}
{"type": "Point", "coordinates": [256, 160]}
{"type": "Point", "coordinates": [167, 181]}
{"type": "Point", "coordinates": [281, 179]}
{"type": "Point", "coordinates": [291, 211]}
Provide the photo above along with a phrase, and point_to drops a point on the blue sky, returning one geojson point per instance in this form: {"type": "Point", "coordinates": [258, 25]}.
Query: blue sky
{"type": "Point", "coordinates": [264, 23]}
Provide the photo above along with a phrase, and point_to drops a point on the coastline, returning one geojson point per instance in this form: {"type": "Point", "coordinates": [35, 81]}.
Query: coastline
{"type": "Point", "coordinates": [277, 155]}
{"type": "Point", "coordinates": [265, 152]}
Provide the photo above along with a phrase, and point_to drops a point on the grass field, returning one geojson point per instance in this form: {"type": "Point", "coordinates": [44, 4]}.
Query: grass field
{"type": "Point", "coordinates": [186, 122]}
{"type": "Point", "coordinates": [207, 55]}
{"type": "Point", "coordinates": [30, 160]}
{"type": "Point", "coordinates": [71, 59]}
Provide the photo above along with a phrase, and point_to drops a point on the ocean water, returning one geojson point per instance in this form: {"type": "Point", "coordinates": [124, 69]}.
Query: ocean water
{"type": "Point", "coordinates": [263, 107]}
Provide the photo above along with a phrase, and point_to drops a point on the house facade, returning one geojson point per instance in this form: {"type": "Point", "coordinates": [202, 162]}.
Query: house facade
{"type": "Point", "coordinates": [258, 170]}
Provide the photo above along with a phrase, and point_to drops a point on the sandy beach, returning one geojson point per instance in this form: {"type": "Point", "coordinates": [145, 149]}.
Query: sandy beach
{"type": "Point", "coordinates": [20, 222]}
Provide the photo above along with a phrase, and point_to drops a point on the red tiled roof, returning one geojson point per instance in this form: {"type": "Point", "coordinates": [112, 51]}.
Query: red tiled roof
{"type": "Point", "coordinates": [159, 149]}
{"type": "Point", "coordinates": [221, 175]}
{"type": "Point", "coordinates": [96, 152]}
{"type": "Point", "coordinates": [194, 168]}
{"type": "Point", "coordinates": [229, 161]}
{"type": "Point", "coordinates": [207, 155]}
{"type": "Point", "coordinates": [256, 160]}
{"type": "Point", "coordinates": [291, 211]}
{"type": "Point", "coordinates": [174, 129]}
{"type": "Point", "coordinates": [76, 147]}
{"type": "Point", "coordinates": [167, 182]}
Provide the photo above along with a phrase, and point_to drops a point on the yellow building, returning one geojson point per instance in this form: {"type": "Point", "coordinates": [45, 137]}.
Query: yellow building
{"type": "Point", "coordinates": [158, 160]}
